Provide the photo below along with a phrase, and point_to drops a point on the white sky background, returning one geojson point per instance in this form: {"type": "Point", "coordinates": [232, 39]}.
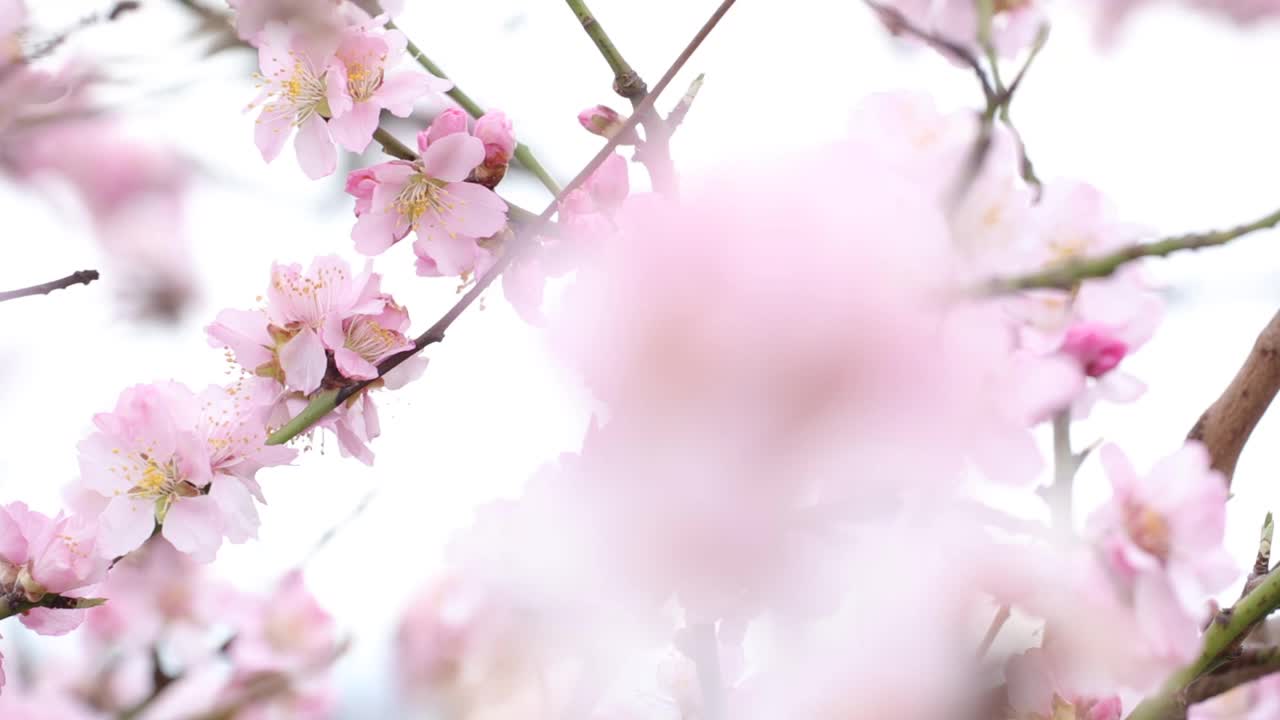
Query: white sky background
{"type": "Point", "coordinates": [1178, 125]}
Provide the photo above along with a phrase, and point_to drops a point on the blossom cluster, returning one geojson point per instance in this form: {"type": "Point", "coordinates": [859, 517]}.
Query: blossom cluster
{"type": "Point", "coordinates": [809, 376]}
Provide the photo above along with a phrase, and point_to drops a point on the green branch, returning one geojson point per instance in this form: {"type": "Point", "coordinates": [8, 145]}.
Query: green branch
{"type": "Point", "coordinates": [1225, 633]}
{"type": "Point", "coordinates": [626, 81]}
{"type": "Point", "coordinates": [523, 154]}
{"type": "Point", "coordinates": [1067, 275]}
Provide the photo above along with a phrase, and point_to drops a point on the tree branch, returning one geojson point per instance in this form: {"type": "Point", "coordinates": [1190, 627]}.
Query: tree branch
{"type": "Point", "coordinates": [1065, 276]}
{"type": "Point", "coordinates": [1225, 426]}
{"type": "Point", "coordinates": [1250, 665]}
{"type": "Point", "coordinates": [82, 277]}
{"type": "Point", "coordinates": [326, 402]}
{"type": "Point", "coordinates": [655, 151]}
{"type": "Point", "coordinates": [1223, 636]}
{"type": "Point", "coordinates": [523, 153]}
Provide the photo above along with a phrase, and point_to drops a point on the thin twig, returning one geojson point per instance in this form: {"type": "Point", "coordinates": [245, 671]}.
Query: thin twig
{"type": "Point", "coordinates": [327, 401]}
{"type": "Point", "coordinates": [896, 22]}
{"type": "Point", "coordinates": [993, 630]}
{"type": "Point", "coordinates": [1067, 275]}
{"type": "Point", "coordinates": [81, 277]}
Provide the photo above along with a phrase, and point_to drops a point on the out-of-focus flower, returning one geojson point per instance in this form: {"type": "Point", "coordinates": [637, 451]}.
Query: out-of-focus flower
{"type": "Point", "coordinates": [1014, 23]}
{"type": "Point", "coordinates": [1166, 528]}
{"type": "Point", "coordinates": [1040, 690]}
{"type": "Point", "coordinates": [135, 194]}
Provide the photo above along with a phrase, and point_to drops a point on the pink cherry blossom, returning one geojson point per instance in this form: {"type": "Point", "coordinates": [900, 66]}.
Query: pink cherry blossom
{"type": "Point", "coordinates": [184, 461]}
{"type": "Point", "coordinates": [1040, 690]}
{"type": "Point", "coordinates": [325, 325]}
{"type": "Point", "coordinates": [1014, 24]}
{"type": "Point", "coordinates": [1165, 529]}
{"type": "Point", "coordinates": [295, 95]}
{"type": "Point", "coordinates": [41, 555]}
{"type": "Point", "coordinates": [13, 16]}
{"type": "Point", "coordinates": [429, 197]}
{"type": "Point", "coordinates": [361, 81]}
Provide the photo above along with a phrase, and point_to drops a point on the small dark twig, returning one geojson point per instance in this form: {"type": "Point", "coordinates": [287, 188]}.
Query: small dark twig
{"type": "Point", "coordinates": [81, 277]}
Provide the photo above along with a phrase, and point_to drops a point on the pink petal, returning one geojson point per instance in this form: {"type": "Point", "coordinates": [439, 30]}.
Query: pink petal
{"type": "Point", "coordinates": [270, 132]}
{"type": "Point", "coordinates": [405, 373]}
{"type": "Point", "coordinates": [194, 526]}
{"type": "Point", "coordinates": [304, 362]}
{"type": "Point", "coordinates": [125, 524]}
{"type": "Point", "coordinates": [316, 152]}
{"type": "Point", "coordinates": [245, 333]}
{"type": "Point", "coordinates": [476, 211]}
{"type": "Point", "coordinates": [235, 504]}
{"type": "Point", "coordinates": [452, 157]}
{"type": "Point", "coordinates": [351, 365]}
{"type": "Point", "coordinates": [354, 129]}
{"type": "Point", "coordinates": [375, 232]}
{"type": "Point", "coordinates": [335, 89]}
{"type": "Point", "coordinates": [53, 622]}
{"type": "Point", "coordinates": [401, 90]}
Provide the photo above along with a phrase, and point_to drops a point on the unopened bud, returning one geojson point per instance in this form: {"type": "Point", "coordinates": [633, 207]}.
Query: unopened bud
{"type": "Point", "coordinates": [494, 130]}
{"type": "Point", "coordinates": [606, 122]}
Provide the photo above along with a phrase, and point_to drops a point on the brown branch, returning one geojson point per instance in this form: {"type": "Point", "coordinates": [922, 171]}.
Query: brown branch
{"type": "Point", "coordinates": [1225, 427]}
{"type": "Point", "coordinates": [82, 277]}
{"type": "Point", "coordinates": [1250, 665]}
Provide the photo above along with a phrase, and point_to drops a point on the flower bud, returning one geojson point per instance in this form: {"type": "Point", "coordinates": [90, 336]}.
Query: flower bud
{"type": "Point", "coordinates": [494, 130]}
{"type": "Point", "coordinates": [1096, 347]}
{"type": "Point", "coordinates": [451, 121]}
{"type": "Point", "coordinates": [606, 122]}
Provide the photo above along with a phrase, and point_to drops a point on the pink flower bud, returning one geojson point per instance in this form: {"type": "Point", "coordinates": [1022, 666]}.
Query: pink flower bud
{"type": "Point", "coordinates": [494, 130]}
{"type": "Point", "coordinates": [448, 122]}
{"type": "Point", "coordinates": [1097, 349]}
{"type": "Point", "coordinates": [604, 121]}
{"type": "Point", "coordinates": [360, 185]}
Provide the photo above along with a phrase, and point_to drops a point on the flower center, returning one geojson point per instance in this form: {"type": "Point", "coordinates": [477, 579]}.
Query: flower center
{"type": "Point", "coordinates": [299, 91]}
{"type": "Point", "coordinates": [1149, 530]}
{"type": "Point", "coordinates": [422, 196]}
{"type": "Point", "coordinates": [370, 340]}
{"type": "Point", "coordinates": [363, 81]}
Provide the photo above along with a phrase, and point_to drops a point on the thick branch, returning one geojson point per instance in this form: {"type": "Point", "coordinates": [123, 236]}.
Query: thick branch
{"type": "Point", "coordinates": [326, 402]}
{"type": "Point", "coordinates": [82, 277]}
{"type": "Point", "coordinates": [1225, 427]}
{"type": "Point", "coordinates": [1066, 275]}
{"type": "Point", "coordinates": [523, 154]}
{"type": "Point", "coordinates": [10, 606]}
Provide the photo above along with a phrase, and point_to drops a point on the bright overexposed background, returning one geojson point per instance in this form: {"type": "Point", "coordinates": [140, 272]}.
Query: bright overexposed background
{"type": "Point", "coordinates": [1177, 123]}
